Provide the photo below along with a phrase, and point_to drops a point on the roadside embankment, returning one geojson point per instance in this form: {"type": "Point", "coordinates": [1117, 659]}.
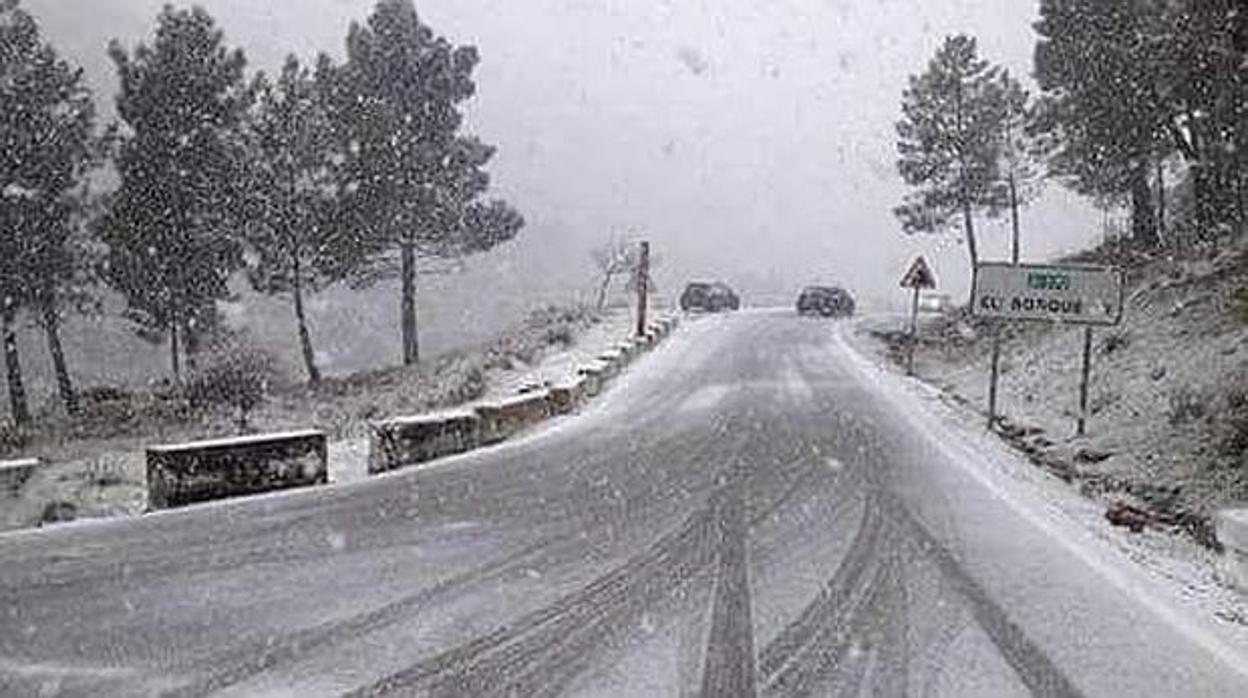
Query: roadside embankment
{"type": "Point", "coordinates": [1168, 422]}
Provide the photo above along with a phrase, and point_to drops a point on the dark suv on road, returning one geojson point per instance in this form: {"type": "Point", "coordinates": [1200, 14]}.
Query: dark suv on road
{"type": "Point", "coordinates": [711, 297]}
{"type": "Point", "coordinates": [825, 301]}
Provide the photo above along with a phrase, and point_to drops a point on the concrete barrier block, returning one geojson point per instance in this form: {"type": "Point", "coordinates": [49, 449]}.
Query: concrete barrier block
{"type": "Point", "coordinates": [612, 363]}
{"type": "Point", "coordinates": [402, 441]}
{"type": "Point", "coordinates": [594, 380]}
{"type": "Point", "coordinates": [1231, 527]}
{"type": "Point", "coordinates": [568, 397]}
{"type": "Point", "coordinates": [500, 421]}
{"type": "Point", "coordinates": [627, 350]}
{"type": "Point", "coordinates": [183, 474]}
{"type": "Point", "coordinates": [15, 473]}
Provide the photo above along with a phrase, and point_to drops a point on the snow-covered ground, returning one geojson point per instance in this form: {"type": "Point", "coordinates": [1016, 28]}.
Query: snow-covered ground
{"type": "Point", "coordinates": [94, 477]}
{"type": "Point", "coordinates": [1173, 576]}
{"type": "Point", "coordinates": [1168, 400]}
{"type": "Point", "coordinates": [1181, 569]}
{"type": "Point", "coordinates": [348, 458]}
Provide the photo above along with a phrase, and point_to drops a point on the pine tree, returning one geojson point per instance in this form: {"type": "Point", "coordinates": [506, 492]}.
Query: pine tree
{"type": "Point", "coordinates": [412, 177]}
{"type": "Point", "coordinates": [950, 142]}
{"type": "Point", "coordinates": [173, 228]}
{"type": "Point", "coordinates": [1204, 89]}
{"type": "Point", "coordinates": [301, 242]}
{"type": "Point", "coordinates": [47, 145]}
{"type": "Point", "coordinates": [1101, 68]}
{"type": "Point", "coordinates": [1020, 153]}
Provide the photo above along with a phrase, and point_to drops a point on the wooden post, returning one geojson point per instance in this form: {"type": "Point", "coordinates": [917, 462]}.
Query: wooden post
{"type": "Point", "coordinates": [643, 289]}
{"type": "Point", "coordinates": [914, 331]}
{"type": "Point", "coordinates": [1083, 382]}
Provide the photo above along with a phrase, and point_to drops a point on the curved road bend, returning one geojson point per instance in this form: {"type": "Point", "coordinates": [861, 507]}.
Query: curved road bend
{"type": "Point", "coordinates": [744, 514]}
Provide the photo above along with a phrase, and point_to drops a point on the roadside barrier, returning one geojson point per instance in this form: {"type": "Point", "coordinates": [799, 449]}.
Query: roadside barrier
{"type": "Point", "coordinates": [183, 474]}
{"type": "Point", "coordinates": [15, 473]}
{"type": "Point", "coordinates": [404, 441]}
{"type": "Point", "coordinates": [1231, 527]}
{"type": "Point", "coordinates": [502, 420]}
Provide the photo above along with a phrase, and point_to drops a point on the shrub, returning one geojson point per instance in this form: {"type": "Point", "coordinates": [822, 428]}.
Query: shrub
{"type": "Point", "coordinates": [235, 375]}
{"type": "Point", "coordinates": [1232, 423]}
{"type": "Point", "coordinates": [560, 334]}
{"type": "Point", "coordinates": [99, 394]}
{"type": "Point", "coordinates": [1239, 305]}
{"type": "Point", "coordinates": [1115, 342]}
{"type": "Point", "coordinates": [1186, 405]}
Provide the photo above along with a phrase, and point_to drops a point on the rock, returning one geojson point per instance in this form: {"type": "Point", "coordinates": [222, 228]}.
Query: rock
{"type": "Point", "coordinates": [1158, 373]}
{"type": "Point", "coordinates": [1090, 455]}
{"type": "Point", "coordinates": [1132, 518]}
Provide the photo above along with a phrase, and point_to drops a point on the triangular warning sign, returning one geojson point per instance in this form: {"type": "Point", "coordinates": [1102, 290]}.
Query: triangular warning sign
{"type": "Point", "coordinates": [919, 276]}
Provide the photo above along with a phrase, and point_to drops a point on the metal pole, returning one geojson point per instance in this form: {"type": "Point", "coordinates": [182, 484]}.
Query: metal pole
{"type": "Point", "coordinates": [914, 330]}
{"type": "Point", "coordinates": [996, 373]}
{"type": "Point", "coordinates": [1083, 383]}
{"type": "Point", "coordinates": [997, 326]}
{"type": "Point", "coordinates": [643, 288]}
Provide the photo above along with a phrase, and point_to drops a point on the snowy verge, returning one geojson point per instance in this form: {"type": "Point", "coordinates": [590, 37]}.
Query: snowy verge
{"type": "Point", "coordinates": [1187, 580]}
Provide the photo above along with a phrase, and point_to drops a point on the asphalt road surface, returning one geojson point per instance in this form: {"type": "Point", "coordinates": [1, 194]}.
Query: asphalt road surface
{"type": "Point", "coordinates": [747, 512]}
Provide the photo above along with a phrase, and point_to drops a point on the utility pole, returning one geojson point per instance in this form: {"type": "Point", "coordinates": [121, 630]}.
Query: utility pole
{"type": "Point", "coordinates": [643, 289]}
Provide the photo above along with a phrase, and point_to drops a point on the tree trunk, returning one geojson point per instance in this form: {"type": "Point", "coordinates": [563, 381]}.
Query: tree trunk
{"type": "Point", "coordinates": [1014, 249]}
{"type": "Point", "coordinates": [18, 406]}
{"type": "Point", "coordinates": [52, 330]}
{"type": "Point", "coordinates": [1161, 198]}
{"type": "Point", "coordinates": [305, 337]}
{"type": "Point", "coordinates": [411, 344]}
{"type": "Point", "coordinates": [1143, 224]}
{"type": "Point", "coordinates": [190, 346]}
{"type": "Point", "coordinates": [968, 222]}
{"type": "Point", "coordinates": [602, 291]}
{"type": "Point", "coordinates": [192, 339]}
{"type": "Point", "coordinates": [175, 358]}
{"type": "Point", "coordinates": [1202, 195]}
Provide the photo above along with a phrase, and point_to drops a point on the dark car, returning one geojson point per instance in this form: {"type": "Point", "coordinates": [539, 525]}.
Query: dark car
{"type": "Point", "coordinates": [711, 297]}
{"type": "Point", "coordinates": [825, 301]}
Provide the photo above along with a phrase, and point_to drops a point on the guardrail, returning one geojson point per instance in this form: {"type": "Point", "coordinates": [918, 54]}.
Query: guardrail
{"type": "Point", "coordinates": [183, 474]}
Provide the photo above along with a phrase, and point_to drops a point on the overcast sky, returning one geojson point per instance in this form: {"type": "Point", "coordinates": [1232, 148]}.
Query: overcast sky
{"type": "Point", "coordinates": [750, 139]}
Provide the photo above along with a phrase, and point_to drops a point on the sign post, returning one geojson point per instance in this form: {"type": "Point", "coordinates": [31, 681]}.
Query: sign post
{"type": "Point", "coordinates": [919, 277]}
{"type": "Point", "coordinates": [1083, 382]}
{"type": "Point", "coordinates": [1073, 294]}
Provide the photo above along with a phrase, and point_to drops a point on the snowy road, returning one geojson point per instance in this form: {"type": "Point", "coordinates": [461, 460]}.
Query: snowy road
{"type": "Point", "coordinates": [753, 510]}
